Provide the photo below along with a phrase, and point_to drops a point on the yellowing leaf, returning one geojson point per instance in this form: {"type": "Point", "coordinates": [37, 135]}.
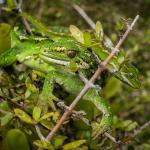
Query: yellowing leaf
{"type": "Point", "coordinates": [55, 116]}
{"type": "Point", "coordinates": [99, 31]}
{"type": "Point", "coordinates": [76, 33]}
{"type": "Point", "coordinates": [30, 86]}
{"type": "Point", "coordinates": [47, 115]}
{"type": "Point", "coordinates": [72, 145]}
{"type": "Point", "coordinates": [36, 113]}
{"type": "Point", "coordinates": [23, 116]}
{"type": "Point", "coordinates": [43, 144]}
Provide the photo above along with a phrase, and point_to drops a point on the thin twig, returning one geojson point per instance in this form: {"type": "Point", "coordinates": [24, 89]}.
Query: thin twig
{"type": "Point", "coordinates": [139, 130]}
{"type": "Point", "coordinates": [84, 15]}
{"type": "Point", "coordinates": [23, 20]}
{"type": "Point", "coordinates": [12, 102]}
{"type": "Point", "coordinates": [117, 143]}
{"type": "Point", "coordinates": [75, 114]}
{"type": "Point", "coordinates": [107, 42]}
{"type": "Point", "coordinates": [111, 138]}
{"type": "Point", "coordinates": [131, 136]}
{"type": "Point", "coordinates": [39, 133]}
{"type": "Point", "coordinates": [88, 85]}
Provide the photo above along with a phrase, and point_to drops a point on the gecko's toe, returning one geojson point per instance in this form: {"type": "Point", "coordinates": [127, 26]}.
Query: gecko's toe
{"type": "Point", "coordinates": [97, 130]}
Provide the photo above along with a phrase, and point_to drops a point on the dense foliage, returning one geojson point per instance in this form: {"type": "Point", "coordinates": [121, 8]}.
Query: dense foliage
{"type": "Point", "coordinates": [20, 86]}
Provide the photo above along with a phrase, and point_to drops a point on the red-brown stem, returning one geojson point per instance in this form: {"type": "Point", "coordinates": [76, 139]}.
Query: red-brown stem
{"type": "Point", "coordinates": [87, 86]}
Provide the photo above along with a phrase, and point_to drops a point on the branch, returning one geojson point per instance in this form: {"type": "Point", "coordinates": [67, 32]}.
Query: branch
{"type": "Point", "coordinates": [23, 20]}
{"type": "Point", "coordinates": [129, 137]}
{"type": "Point", "coordinates": [116, 142]}
{"type": "Point", "coordinates": [12, 102]}
{"type": "Point", "coordinates": [132, 136]}
{"type": "Point", "coordinates": [107, 42]}
{"type": "Point", "coordinates": [84, 15]}
{"type": "Point", "coordinates": [140, 129]}
{"type": "Point", "coordinates": [39, 133]}
{"type": "Point", "coordinates": [89, 84]}
{"type": "Point", "coordinates": [75, 114]}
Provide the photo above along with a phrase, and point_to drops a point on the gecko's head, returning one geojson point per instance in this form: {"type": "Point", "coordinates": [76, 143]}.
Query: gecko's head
{"type": "Point", "coordinates": [66, 52]}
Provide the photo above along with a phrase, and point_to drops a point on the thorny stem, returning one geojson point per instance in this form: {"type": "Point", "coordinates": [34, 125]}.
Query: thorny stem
{"type": "Point", "coordinates": [88, 85]}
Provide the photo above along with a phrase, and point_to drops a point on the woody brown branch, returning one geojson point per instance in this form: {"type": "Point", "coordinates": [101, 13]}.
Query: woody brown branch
{"type": "Point", "coordinates": [87, 86]}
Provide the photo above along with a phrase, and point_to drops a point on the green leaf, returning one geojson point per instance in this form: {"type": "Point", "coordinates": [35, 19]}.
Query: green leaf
{"type": "Point", "coordinates": [10, 4]}
{"type": "Point", "coordinates": [47, 115]}
{"type": "Point", "coordinates": [16, 140]}
{"type": "Point", "coordinates": [27, 94]}
{"type": "Point", "coordinates": [111, 88]}
{"type": "Point", "coordinates": [47, 124]}
{"type": "Point", "coordinates": [30, 86]}
{"type": "Point", "coordinates": [146, 146]}
{"type": "Point", "coordinates": [4, 106]}
{"type": "Point", "coordinates": [121, 56]}
{"type": "Point", "coordinates": [36, 113]}
{"type": "Point", "coordinates": [5, 39]}
{"type": "Point", "coordinates": [5, 120]}
{"type": "Point", "coordinates": [76, 33]}
{"type": "Point", "coordinates": [58, 141]}
{"type": "Point", "coordinates": [43, 144]}
{"type": "Point", "coordinates": [54, 115]}
{"type": "Point", "coordinates": [120, 25]}
{"type": "Point", "coordinates": [23, 116]}
{"type": "Point", "coordinates": [72, 145]}
{"type": "Point", "coordinates": [87, 39]}
{"type": "Point", "coordinates": [99, 31]}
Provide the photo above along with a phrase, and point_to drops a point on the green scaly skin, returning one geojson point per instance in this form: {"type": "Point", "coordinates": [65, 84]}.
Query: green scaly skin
{"type": "Point", "coordinates": [59, 58]}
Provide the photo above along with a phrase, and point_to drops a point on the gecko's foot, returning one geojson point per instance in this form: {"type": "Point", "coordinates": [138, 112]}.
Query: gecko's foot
{"type": "Point", "coordinates": [98, 130]}
{"type": "Point", "coordinates": [98, 88]}
{"type": "Point", "coordinates": [85, 80]}
{"type": "Point", "coordinates": [82, 78]}
{"type": "Point", "coordinates": [46, 102]}
{"type": "Point", "coordinates": [74, 112]}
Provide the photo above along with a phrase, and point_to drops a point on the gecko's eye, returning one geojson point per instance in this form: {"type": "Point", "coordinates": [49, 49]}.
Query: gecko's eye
{"type": "Point", "coordinates": [71, 53]}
